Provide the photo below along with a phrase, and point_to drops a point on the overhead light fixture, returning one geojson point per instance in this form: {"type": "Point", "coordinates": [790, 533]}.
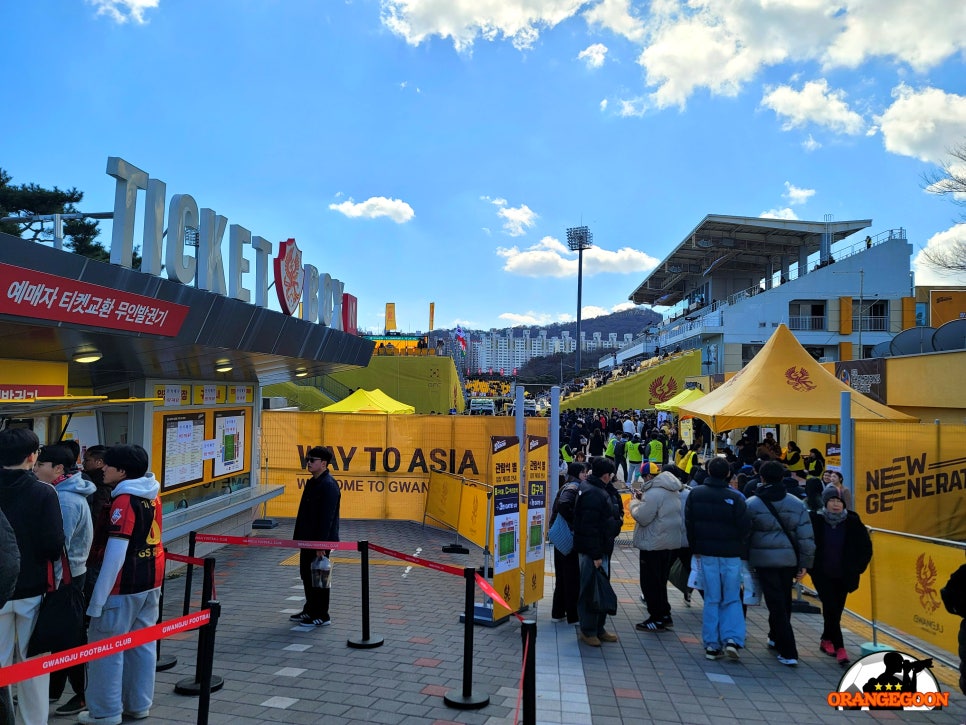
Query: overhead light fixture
{"type": "Point", "coordinates": [301, 372]}
{"type": "Point", "coordinates": [223, 366]}
{"type": "Point", "coordinates": [87, 354]}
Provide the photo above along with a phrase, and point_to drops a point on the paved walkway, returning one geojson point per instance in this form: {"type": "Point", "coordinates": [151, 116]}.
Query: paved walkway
{"type": "Point", "coordinates": [276, 672]}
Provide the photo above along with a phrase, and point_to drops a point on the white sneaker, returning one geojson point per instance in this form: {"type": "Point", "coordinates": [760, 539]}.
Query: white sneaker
{"type": "Point", "coordinates": [788, 661]}
{"type": "Point", "coordinates": [85, 717]}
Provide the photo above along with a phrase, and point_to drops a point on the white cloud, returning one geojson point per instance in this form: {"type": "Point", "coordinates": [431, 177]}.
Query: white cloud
{"type": "Point", "coordinates": [923, 123]}
{"type": "Point", "coordinates": [921, 33]}
{"type": "Point", "coordinates": [529, 319]}
{"type": "Point", "coordinates": [810, 144]}
{"type": "Point", "coordinates": [541, 319]}
{"type": "Point", "coordinates": [120, 11]}
{"type": "Point", "coordinates": [375, 207]}
{"type": "Point", "coordinates": [551, 258]}
{"type": "Point", "coordinates": [603, 105]}
{"type": "Point", "coordinates": [815, 103]}
{"type": "Point", "coordinates": [616, 16]}
{"type": "Point", "coordinates": [632, 107]}
{"type": "Point", "coordinates": [593, 55]}
{"type": "Point", "coordinates": [796, 195]}
{"type": "Point", "coordinates": [464, 21]}
{"type": "Point", "coordinates": [947, 239]}
{"type": "Point", "coordinates": [516, 220]}
{"type": "Point", "coordinates": [785, 213]}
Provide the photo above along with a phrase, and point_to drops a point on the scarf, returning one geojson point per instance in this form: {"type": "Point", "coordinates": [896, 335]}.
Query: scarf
{"type": "Point", "coordinates": [834, 519]}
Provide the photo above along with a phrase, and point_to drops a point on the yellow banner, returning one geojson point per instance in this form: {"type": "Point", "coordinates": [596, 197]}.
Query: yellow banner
{"type": "Point", "coordinates": [443, 499]}
{"type": "Point", "coordinates": [643, 389]}
{"type": "Point", "coordinates": [907, 574]}
{"type": "Point", "coordinates": [505, 475]}
{"type": "Point", "coordinates": [535, 514]}
{"type": "Point", "coordinates": [911, 477]}
{"type": "Point", "coordinates": [390, 316]}
{"type": "Point", "coordinates": [383, 462]}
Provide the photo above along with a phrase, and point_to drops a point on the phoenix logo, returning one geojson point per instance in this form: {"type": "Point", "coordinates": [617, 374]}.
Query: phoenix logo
{"type": "Point", "coordinates": [661, 391]}
{"type": "Point", "coordinates": [926, 583]}
{"type": "Point", "coordinates": [799, 379]}
{"type": "Point", "coordinates": [289, 276]}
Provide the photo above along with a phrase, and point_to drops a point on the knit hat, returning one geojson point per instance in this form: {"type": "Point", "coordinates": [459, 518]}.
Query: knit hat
{"type": "Point", "coordinates": [830, 492]}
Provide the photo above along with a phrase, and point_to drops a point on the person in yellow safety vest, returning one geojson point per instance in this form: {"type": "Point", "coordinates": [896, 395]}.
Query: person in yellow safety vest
{"type": "Point", "coordinates": [793, 457]}
{"type": "Point", "coordinates": [611, 445]}
{"type": "Point", "coordinates": [688, 459]}
{"type": "Point", "coordinates": [635, 456]}
{"type": "Point", "coordinates": [655, 449]}
{"type": "Point", "coordinates": [566, 454]}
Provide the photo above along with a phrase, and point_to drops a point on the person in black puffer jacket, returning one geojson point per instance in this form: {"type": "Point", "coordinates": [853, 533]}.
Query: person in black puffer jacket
{"type": "Point", "coordinates": [33, 511]}
{"type": "Point", "coordinates": [954, 597]}
{"type": "Point", "coordinates": [843, 550]}
{"type": "Point", "coordinates": [566, 566]}
{"type": "Point", "coordinates": [9, 560]}
{"type": "Point", "coordinates": [598, 516]}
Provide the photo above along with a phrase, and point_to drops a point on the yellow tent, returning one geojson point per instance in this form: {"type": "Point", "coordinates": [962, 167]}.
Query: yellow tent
{"type": "Point", "coordinates": [685, 396]}
{"type": "Point", "coordinates": [369, 401]}
{"type": "Point", "coordinates": [783, 384]}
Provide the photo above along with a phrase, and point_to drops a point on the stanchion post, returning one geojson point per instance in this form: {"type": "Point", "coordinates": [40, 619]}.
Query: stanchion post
{"type": "Point", "coordinates": [467, 700]}
{"type": "Point", "coordinates": [366, 641]}
{"type": "Point", "coordinates": [207, 656]}
{"type": "Point", "coordinates": [163, 662]}
{"type": "Point", "coordinates": [192, 686]}
{"type": "Point", "coordinates": [528, 633]}
{"type": "Point", "coordinates": [187, 576]}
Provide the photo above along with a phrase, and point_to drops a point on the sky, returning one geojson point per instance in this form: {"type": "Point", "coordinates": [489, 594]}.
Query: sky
{"type": "Point", "coordinates": [438, 150]}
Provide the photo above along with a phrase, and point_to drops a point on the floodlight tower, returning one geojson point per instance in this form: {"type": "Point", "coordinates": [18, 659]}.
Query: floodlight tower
{"type": "Point", "coordinates": [579, 239]}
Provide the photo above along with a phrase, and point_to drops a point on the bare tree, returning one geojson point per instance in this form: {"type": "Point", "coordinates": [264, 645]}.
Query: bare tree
{"type": "Point", "coordinates": [949, 181]}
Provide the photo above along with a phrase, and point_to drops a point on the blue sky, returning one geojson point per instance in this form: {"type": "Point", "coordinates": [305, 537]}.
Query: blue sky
{"type": "Point", "coordinates": [437, 150]}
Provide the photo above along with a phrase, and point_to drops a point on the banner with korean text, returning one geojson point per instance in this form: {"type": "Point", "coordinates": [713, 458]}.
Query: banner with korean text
{"type": "Point", "coordinates": [505, 475]}
{"type": "Point", "coordinates": [533, 534]}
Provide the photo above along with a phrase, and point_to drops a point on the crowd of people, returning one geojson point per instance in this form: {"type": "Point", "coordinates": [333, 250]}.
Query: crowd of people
{"type": "Point", "coordinates": [90, 533]}
{"type": "Point", "coordinates": [747, 525]}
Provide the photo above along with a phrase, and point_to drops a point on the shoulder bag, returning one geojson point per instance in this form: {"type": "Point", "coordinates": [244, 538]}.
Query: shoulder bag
{"type": "Point", "coordinates": [61, 617]}
{"type": "Point", "coordinates": [791, 539]}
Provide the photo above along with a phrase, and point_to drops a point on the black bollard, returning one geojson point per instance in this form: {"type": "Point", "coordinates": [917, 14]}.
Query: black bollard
{"type": "Point", "coordinates": [467, 700]}
{"type": "Point", "coordinates": [528, 633]}
{"type": "Point", "coordinates": [367, 641]}
{"type": "Point", "coordinates": [187, 576]}
{"type": "Point", "coordinates": [192, 686]}
{"type": "Point", "coordinates": [163, 662]}
{"type": "Point", "coordinates": [204, 701]}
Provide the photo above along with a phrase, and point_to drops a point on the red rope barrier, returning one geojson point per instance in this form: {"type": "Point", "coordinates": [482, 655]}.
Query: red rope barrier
{"type": "Point", "coordinates": [184, 559]}
{"type": "Point", "coordinates": [275, 543]}
{"type": "Point", "coordinates": [101, 648]}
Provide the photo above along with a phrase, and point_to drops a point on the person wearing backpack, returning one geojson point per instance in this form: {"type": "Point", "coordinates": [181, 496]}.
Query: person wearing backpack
{"type": "Point", "coordinates": [954, 597]}
{"type": "Point", "coordinates": [566, 566]}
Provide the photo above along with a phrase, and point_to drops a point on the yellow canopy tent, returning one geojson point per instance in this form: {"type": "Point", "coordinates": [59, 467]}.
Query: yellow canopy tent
{"type": "Point", "coordinates": [783, 384]}
{"type": "Point", "coordinates": [673, 405]}
{"type": "Point", "coordinates": [369, 401]}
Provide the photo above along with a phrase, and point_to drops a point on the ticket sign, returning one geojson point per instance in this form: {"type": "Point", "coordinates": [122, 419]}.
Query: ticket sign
{"type": "Point", "coordinates": [173, 395]}
{"type": "Point", "coordinates": [208, 394]}
{"type": "Point", "coordinates": [241, 393]}
{"type": "Point", "coordinates": [28, 293]}
{"type": "Point", "coordinates": [505, 473]}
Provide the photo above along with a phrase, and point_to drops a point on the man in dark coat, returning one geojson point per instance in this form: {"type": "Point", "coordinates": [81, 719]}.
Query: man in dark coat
{"type": "Point", "coordinates": [598, 516]}
{"type": "Point", "coordinates": [33, 511]}
{"type": "Point", "coordinates": [718, 525]}
{"type": "Point", "coordinates": [317, 520]}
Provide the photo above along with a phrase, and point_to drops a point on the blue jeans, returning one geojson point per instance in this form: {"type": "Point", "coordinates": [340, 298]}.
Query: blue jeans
{"type": "Point", "coordinates": [591, 621]}
{"type": "Point", "coordinates": [723, 616]}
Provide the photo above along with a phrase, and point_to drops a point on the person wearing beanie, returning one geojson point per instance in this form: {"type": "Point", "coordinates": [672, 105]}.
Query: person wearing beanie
{"type": "Point", "coordinates": [843, 550]}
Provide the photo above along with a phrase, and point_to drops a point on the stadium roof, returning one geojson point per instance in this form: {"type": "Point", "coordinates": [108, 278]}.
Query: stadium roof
{"type": "Point", "coordinates": [735, 244]}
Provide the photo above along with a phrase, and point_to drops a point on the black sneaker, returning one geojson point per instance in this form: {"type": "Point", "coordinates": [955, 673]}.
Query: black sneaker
{"type": "Point", "coordinates": [296, 617]}
{"type": "Point", "coordinates": [731, 649]}
{"type": "Point", "coordinates": [713, 654]}
{"type": "Point", "coordinates": [668, 622]}
{"type": "Point", "coordinates": [650, 625]}
{"type": "Point", "coordinates": [73, 706]}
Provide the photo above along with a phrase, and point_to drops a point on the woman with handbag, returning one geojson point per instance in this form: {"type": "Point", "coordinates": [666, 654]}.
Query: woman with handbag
{"type": "Point", "coordinates": [566, 566]}
{"type": "Point", "coordinates": [843, 550]}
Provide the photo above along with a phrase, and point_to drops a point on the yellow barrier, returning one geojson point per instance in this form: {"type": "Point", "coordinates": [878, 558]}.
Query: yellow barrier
{"type": "Point", "coordinates": [461, 505]}
{"type": "Point", "coordinates": [904, 580]}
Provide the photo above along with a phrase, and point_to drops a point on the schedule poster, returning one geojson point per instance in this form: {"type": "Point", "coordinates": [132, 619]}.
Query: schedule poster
{"type": "Point", "coordinates": [229, 442]}
{"type": "Point", "coordinates": [184, 435]}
